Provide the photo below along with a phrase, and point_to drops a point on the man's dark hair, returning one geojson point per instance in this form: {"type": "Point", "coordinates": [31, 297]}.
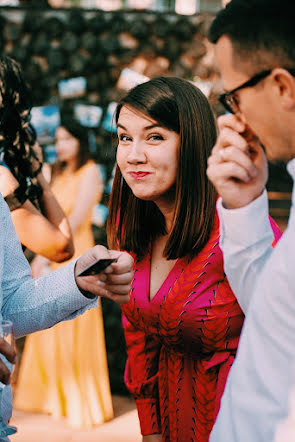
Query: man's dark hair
{"type": "Point", "coordinates": [261, 31]}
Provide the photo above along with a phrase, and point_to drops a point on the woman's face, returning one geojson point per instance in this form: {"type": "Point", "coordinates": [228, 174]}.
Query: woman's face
{"type": "Point", "coordinates": [67, 146]}
{"type": "Point", "coordinates": [147, 156]}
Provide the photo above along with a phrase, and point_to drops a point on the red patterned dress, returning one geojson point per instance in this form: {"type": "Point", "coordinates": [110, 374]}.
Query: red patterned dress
{"type": "Point", "coordinates": [181, 344]}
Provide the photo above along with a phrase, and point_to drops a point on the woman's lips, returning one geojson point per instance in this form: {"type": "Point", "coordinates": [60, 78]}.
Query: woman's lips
{"type": "Point", "coordinates": [138, 175]}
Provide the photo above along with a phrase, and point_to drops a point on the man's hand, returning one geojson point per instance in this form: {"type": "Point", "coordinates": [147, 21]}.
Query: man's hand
{"type": "Point", "coordinates": [237, 166]}
{"type": "Point", "coordinates": [10, 354]}
{"type": "Point", "coordinates": [114, 282]}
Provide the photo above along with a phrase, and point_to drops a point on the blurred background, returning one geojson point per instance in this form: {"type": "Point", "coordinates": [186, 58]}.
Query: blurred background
{"type": "Point", "coordinates": [81, 56]}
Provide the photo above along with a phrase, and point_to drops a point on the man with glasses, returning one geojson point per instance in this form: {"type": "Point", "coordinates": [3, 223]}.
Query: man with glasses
{"type": "Point", "coordinates": [255, 52]}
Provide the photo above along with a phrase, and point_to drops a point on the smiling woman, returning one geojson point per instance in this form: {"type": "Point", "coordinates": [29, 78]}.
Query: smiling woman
{"type": "Point", "coordinates": [147, 156]}
{"type": "Point", "coordinates": [183, 322]}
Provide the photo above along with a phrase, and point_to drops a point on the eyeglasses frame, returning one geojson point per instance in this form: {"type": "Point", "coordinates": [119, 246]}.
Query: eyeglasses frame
{"type": "Point", "coordinates": [249, 83]}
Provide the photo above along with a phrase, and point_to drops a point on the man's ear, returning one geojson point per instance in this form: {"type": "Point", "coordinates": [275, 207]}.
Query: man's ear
{"type": "Point", "coordinates": [285, 87]}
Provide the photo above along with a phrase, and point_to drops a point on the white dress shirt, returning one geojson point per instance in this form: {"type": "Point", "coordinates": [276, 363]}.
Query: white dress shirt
{"type": "Point", "coordinates": [32, 304]}
{"type": "Point", "coordinates": [263, 279]}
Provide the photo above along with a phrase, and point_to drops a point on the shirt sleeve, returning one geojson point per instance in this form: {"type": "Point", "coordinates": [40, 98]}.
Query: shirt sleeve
{"type": "Point", "coordinates": [256, 394]}
{"type": "Point", "coordinates": [247, 239]}
{"type": "Point", "coordinates": [141, 376]}
{"type": "Point", "coordinates": [35, 304]}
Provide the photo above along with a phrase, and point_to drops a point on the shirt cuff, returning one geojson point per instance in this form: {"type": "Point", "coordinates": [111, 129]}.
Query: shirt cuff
{"type": "Point", "coordinates": [149, 416]}
{"type": "Point", "coordinates": [245, 225]}
{"type": "Point", "coordinates": [77, 296]}
{"type": "Point", "coordinates": [85, 293]}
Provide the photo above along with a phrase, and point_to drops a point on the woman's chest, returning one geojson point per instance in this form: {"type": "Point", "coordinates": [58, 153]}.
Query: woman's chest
{"type": "Point", "coordinates": [194, 306]}
{"type": "Point", "coordinates": [159, 272]}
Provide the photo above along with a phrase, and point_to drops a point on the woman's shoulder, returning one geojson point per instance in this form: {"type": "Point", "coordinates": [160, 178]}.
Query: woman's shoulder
{"type": "Point", "coordinates": [90, 165]}
{"type": "Point", "coordinates": [90, 169]}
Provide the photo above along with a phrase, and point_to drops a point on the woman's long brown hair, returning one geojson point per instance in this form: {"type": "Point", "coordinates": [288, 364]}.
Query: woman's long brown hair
{"type": "Point", "coordinates": [133, 224]}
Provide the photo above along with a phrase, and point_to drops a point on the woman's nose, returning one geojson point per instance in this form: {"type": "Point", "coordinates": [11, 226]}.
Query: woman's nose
{"type": "Point", "coordinates": [136, 153]}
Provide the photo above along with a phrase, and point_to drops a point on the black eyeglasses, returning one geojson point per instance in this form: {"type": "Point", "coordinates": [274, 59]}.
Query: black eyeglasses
{"type": "Point", "coordinates": [229, 101]}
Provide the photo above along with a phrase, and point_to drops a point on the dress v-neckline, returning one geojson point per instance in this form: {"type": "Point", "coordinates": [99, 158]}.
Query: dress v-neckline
{"type": "Point", "coordinates": [167, 283]}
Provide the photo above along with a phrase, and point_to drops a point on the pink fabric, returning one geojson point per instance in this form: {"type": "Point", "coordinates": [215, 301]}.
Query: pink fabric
{"type": "Point", "coordinates": [181, 344]}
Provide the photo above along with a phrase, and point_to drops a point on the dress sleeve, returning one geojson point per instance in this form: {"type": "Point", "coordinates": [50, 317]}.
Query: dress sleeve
{"type": "Point", "coordinates": [141, 376]}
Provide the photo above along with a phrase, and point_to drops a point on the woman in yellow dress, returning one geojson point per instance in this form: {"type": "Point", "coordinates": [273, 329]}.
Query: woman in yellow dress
{"type": "Point", "coordinates": [64, 370]}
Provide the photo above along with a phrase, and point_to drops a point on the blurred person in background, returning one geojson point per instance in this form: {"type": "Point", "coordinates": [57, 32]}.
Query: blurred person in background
{"type": "Point", "coordinates": [64, 370]}
{"type": "Point", "coordinates": [183, 321]}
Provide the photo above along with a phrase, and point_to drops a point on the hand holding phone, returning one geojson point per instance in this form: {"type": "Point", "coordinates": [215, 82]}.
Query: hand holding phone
{"type": "Point", "coordinates": [97, 267]}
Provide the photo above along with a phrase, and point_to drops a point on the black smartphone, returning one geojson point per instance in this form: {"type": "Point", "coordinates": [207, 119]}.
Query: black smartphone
{"type": "Point", "coordinates": [97, 267]}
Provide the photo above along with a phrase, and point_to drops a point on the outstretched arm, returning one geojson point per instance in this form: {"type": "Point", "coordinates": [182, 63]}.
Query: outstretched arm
{"type": "Point", "coordinates": [36, 304]}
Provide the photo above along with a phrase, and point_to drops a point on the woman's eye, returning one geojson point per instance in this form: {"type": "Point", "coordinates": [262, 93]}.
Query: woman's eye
{"type": "Point", "coordinates": [124, 138]}
{"type": "Point", "coordinates": [156, 137]}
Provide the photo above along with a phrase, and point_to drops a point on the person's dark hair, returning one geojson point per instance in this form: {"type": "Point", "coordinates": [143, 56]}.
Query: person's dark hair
{"type": "Point", "coordinates": [261, 31]}
{"type": "Point", "coordinates": [133, 223]}
{"type": "Point", "coordinates": [17, 136]}
{"type": "Point", "coordinates": [79, 132]}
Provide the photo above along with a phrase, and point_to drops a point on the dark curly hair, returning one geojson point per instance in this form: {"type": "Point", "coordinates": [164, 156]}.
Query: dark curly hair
{"type": "Point", "coordinates": [17, 135]}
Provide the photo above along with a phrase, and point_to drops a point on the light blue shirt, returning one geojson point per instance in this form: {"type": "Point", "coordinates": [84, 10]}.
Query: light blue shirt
{"type": "Point", "coordinates": [32, 304]}
{"type": "Point", "coordinates": [263, 279]}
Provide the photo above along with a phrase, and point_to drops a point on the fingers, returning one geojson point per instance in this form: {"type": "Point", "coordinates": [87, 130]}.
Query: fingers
{"type": "Point", "coordinates": [4, 373]}
{"type": "Point", "coordinates": [230, 121]}
{"type": "Point", "coordinates": [8, 351]}
{"type": "Point", "coordinates": [114, 282]}
{"type": "Point", "coordinates": [228, 170]}
{"type": "Point", "coordinates": [119, 279]}
{"type": "Point", "coordinates": [232, 131]}
{"type": "Point", "coordinates": [118, 289]}
{"type": "Point", "coordinates": [124, 263]}
{"type": "Point", "coordinates": [89, 257]}
{"type": "Point", "coordinates": [237, 166]}
{"type": "Point", "coordinates": [235, 163]}
{"type": "Point", "coordinates": [233, 149]}
{"type": "Point", "coordinates": [118, 293]}
{"type": "Point", "coordinates": [100, 252]}
{"type": "Point", "coordinates": [228, 137]}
